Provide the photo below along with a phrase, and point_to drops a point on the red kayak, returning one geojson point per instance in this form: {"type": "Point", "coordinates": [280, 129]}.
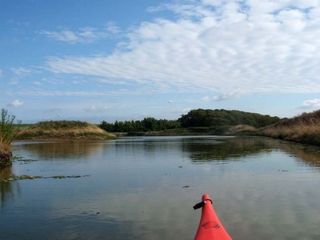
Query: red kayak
{"type": "Point", "coordinates": [210, 227]}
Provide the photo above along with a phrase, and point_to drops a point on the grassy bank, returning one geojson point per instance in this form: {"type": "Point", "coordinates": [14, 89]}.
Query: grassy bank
{"type": "Point", "coordinates": [174, 132]}
{"type": "Point", "coordinates": [70, 130]}
{"type": "Point", "coordinates": [195, 131]}
{"type": "Point", "coordinates": [303, 129]}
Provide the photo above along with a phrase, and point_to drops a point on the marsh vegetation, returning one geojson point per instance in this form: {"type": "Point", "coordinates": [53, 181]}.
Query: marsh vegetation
{"type": "Point", "coordinates": [7, 134]}
{"type": "Point", "coordinates": [304, 129]}
{"type": "Point", "coordinates": [63, 130]}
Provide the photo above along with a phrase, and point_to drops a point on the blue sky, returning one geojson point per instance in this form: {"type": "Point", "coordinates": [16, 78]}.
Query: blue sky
{"type": "Point", "coordinates": [116, 60]}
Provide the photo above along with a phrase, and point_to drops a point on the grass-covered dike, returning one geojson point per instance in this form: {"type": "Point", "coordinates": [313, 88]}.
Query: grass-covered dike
{"type": "Point", "coordinates": [68, 130]}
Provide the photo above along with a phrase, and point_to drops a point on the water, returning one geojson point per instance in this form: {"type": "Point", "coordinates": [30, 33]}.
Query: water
{"type": "Point", "coordinates": [145, 187]}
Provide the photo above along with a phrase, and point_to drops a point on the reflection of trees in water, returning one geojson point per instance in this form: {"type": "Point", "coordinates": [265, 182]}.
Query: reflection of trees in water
{"type": "Point", "coordinates": [227, 148]}
{"type": "Point", "coordinates": [310, 155]}
{"type": "Point", "coordinates": [7, 188]}
{"type": "Point", "coordinates": [149, 145]}
{"type": "Point", "coordinates": [56, 150]}
{"type": "Point", "coordinates": [244, 146]}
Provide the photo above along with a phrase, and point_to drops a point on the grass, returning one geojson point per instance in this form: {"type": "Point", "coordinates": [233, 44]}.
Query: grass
{"type": "Point", "coordinates": [62, 130]}
{"type": "Point", "coordinates": [241, 129]}
{"type": "Point", "coordinates": [62, 125]}
{"type": "Point", "coordinates": [304, 129]}
{"type": "Point", "coordinates": [6, 137]}
{"type": "Point", "coordinates": [4, 148]}
{"type": "Point", "coordinates": [6, 131]}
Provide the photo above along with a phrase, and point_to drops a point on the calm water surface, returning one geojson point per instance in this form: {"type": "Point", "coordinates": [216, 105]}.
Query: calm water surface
{"type": "Point", "coordinates": [145, 187]}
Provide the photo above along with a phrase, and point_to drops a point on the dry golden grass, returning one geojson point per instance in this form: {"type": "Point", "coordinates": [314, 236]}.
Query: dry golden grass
{"type": "Point", "coordinates": [304, 128]}
{"type": "Point", "coordinates": [63, 130]}
{"type": "Point", "coordinates": [4, 148]}
{"type": "Point", "coordinates": [241, 129]}
{"type": "Point", "coordinates": [6, 131]}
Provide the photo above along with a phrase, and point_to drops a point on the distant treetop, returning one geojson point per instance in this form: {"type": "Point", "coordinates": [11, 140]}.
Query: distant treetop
{"type": "Point", "coordinates": [221, 117]}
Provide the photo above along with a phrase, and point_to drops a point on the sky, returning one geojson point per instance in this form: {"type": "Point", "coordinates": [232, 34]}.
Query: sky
{"type": "Point", "coordinates": [97, 60]}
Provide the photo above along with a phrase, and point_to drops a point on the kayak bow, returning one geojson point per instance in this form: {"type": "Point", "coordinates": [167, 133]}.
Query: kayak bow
{"type": "Point", "coordinates": [210, 227]}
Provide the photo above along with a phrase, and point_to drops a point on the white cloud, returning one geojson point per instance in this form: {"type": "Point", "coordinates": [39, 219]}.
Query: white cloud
{"type": "Point", "coordinates": [21, 71]}
{"type": "Point", "coordinates": [82, 35]}
{"type": "Point", "coordinates": [16, 103]}
{"type": "Point", "coordinates": [220, 97]}
{"type": "Point", "coordinates": [71, 36]}
{"type": "Point", "coordinates": [96, 109]}
{"type": "Point", "coordinates": [206, 99]}
{"type": "Point", "coordinates": [18, 74]}
{"type": "Point", "coordinates": [45, 92]}
{"type": "Point", "coordinates": [313, 104]}
{"type": "Point", "coordinates": [112, 28]}
{"type": "Point", "coordinates": [225, 46]}
{"type": "Point", "coordinates": [60, 93]}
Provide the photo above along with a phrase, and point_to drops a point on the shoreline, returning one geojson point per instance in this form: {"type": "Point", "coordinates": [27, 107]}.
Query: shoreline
{"type": "Point", "coordinates": [181, 132]}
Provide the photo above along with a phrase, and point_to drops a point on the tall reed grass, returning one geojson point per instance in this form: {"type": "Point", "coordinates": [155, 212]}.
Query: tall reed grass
{"type": "Point", "coordinates": [304, 128]}
{"type": "Point", "coordinates": [6, 130]}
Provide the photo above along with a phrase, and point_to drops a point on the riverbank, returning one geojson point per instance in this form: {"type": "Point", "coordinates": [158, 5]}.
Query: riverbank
{"type": "Point", "coordinates": [5, 157]}
{"type": "Point", "coordinates": [241, 129]}
{"type": "Point", "coordinates": [62, 130]}
{"type": "Point", "coordinates": [175, 132]}
{"type": "Point", "coordinates": [305, 130]}
{"type": "Point", "coordinates": [302, 129]}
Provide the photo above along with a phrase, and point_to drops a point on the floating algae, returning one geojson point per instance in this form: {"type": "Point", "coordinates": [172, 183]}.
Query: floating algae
{"type": "Point", "coordinates": [29, 177]}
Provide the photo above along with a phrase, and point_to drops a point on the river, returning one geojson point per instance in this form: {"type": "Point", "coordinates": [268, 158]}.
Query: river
{"type": "Point", "coordinates": [145, 187]}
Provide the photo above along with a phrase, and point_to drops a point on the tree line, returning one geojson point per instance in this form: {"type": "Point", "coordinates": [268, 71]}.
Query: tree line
{"type": "Point", "coordinates": [194, 118]}
{"type": "Point", "coordinates": [221, 117]}
{"type": "Point", "coordinates": [147, 124]}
